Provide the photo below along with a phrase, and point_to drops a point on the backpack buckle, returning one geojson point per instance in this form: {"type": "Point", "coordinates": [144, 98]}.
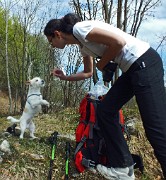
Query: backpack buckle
{"type": "Point", "coordinates": [88, 163]}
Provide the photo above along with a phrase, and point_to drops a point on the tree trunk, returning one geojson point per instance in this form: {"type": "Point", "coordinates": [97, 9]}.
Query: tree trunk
{"type": "Point", "coordinates": [7, 60]}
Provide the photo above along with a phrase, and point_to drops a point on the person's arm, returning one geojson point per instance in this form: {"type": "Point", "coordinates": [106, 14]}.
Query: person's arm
{"type": "Point", "coordinates": [86, 73]}
{"type": "Point", "coordinates": [113, 42]}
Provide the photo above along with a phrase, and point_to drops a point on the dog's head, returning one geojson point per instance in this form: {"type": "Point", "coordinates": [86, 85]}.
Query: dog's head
{"type": "Point", "coordinates": [36, 82]}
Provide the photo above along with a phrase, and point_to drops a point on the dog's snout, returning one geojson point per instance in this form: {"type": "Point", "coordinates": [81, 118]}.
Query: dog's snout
{"type": "Point", "coordinates": [42, 81]}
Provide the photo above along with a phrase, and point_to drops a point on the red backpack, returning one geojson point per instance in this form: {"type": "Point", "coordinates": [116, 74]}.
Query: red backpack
{"type": "Point", "coordinates": [90, 145]}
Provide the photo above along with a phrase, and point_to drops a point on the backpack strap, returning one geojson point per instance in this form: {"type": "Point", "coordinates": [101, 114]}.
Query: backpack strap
{"type": "Point", "coordinates": [90, 122]}
{"type": "Point", "coordinates": [138, 162]}
{"type": "Point", "coordinates": [79, 146]}
{"type": "Point", "coordinates": [93, 123]}
{"type": "Point", "coordinates": [91, 130]}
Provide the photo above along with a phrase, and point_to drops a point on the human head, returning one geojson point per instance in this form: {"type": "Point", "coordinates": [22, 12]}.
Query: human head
{"type": "Point", "coordinates": [64, 25]}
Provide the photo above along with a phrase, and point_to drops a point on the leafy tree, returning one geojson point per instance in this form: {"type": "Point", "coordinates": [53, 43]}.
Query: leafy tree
{"type": "Point", "coordinates": [125, 14]}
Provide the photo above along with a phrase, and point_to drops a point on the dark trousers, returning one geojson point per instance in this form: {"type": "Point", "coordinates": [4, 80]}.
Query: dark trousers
{"type": "Point", "coordinates": [144, 80]}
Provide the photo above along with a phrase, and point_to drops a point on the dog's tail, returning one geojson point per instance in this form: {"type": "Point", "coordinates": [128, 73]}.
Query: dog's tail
{"type": "Point", "coordinates": [12, 119]}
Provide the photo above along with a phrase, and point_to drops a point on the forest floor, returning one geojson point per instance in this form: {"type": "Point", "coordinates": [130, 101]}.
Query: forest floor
{"type": "Point", "coordinates": [30, 159]}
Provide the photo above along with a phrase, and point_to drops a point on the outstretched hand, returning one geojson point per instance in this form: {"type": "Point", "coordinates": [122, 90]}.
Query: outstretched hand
{"type": "Point", "coordinates": [59, 73]}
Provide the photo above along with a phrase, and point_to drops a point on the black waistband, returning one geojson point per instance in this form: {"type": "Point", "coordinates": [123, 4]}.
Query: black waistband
{"type": "Point", "coordinates": [143, 61]}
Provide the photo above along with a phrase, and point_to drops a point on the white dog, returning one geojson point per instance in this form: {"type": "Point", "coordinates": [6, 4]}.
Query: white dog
{"type": "Point", "coordinates": [32, 106]}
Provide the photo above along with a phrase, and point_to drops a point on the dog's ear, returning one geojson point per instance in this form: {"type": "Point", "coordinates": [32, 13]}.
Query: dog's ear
{"type": "Point", "coordinates": [28, 82]}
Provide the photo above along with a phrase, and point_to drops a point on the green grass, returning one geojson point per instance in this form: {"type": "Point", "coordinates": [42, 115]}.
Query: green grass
{"type": "Point", "coordinates": [21, 165]}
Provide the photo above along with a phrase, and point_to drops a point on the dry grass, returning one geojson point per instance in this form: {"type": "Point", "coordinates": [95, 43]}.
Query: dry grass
{"type": "Point", "coordinates": [22, 165]}
{"type": "Point", "coordinates": [3, 103]}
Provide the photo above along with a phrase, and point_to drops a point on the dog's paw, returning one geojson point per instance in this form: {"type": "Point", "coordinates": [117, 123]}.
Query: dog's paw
{"type": "Point", "coordinates": [21, 137]}
{"type": "Point", "coordinates": [46, 103]}
{"type": "Point", "coordinates": [9, 117]}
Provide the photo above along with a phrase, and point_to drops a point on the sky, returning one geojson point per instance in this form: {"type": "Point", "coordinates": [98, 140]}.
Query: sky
{"type": "Point", "coordinates": [151, 30]}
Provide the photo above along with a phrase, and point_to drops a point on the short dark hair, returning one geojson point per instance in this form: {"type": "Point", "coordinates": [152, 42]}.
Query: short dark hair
{"type": "Point", "coordinates": [64, 24]}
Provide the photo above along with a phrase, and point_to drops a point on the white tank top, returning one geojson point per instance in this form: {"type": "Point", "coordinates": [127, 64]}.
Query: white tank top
{"type": "Point", "coordinates": [133, 49]}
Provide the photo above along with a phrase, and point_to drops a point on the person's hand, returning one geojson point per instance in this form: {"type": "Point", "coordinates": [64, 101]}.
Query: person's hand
{"type": "Point", "coordinates": [99, 65]}
{"type": "Point", "coordinates": [59, 73]}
